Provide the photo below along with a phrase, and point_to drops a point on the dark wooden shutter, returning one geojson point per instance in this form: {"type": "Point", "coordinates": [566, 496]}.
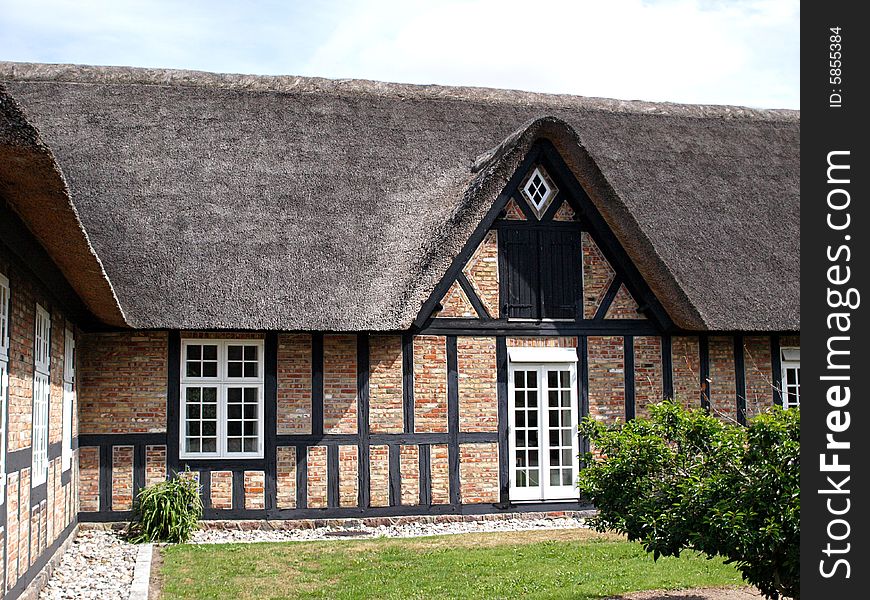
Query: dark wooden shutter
{"type": "Point", "coordinates": [560, 273]}
{"type": "Point", "coordinates": [521, 266]}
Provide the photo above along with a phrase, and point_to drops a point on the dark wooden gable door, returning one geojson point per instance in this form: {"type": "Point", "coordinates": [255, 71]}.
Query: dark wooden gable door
{"type": "Point", "coordinates": [542, 272]}
{"type": "Point", "coordinates": [522, 273]}
{"type": "Point", "coordinates": [560, 273]}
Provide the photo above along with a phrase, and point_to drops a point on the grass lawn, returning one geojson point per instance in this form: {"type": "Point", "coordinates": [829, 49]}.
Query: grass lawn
{"type": "Point", "coordinates": [574, 564]}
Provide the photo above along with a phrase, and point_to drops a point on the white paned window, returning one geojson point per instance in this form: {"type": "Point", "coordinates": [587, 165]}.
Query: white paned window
{"type": "Point", "coordinates": [221, 399]}
{"type": "Point", "coordinates": [791, 377]}
{"type": "Point", "coordinates": [69, 396]}
{"type": "Point", "coordinates": [539, 191]}
{"type": "Point", "coordinates": [4, 317]}
{"type": "Point", "coordinates": [544, 444]}
{"type": "Point", "coordinates": [41, 395]}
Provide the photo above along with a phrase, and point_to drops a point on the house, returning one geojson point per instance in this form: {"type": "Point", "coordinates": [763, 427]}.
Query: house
{"type": "Point", "coordinates": [350, 298]}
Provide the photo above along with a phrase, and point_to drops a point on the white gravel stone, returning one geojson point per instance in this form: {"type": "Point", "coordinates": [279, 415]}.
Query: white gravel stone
{"type": "Point", "coordinates": [98, 566]}
{"type": "Point", "coordinates": [339, 531]}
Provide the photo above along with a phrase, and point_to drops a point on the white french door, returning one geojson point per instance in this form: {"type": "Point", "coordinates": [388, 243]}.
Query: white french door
{"type": "Point", "coordinates": [544, 443]}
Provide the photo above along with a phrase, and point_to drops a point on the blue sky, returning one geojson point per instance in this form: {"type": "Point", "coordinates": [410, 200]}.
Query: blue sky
{"type": "Point", "coordinates": [702, 51]}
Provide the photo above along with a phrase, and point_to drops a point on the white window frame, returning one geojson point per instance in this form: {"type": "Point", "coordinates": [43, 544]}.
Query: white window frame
{"type": "Point", "coordinates": [4, 376]}
{"type": "Point", "coordinates": [222, 382]}
{"type": "Point", "coordinates": [69, 397]}
{"type": "Point", "coordinates": [790, 357]}
{"type": "Point", "coordinates": [547, 359]}
{"type": "Point", "coordinates": [41, 396]}
{"type": "Point", "coordinates": [4, 317]}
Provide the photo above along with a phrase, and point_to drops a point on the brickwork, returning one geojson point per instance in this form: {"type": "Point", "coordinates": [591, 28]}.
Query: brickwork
{"type": "Point", "coordinates": [385, 384]}
{"type": "Point", "coordinates": [597, 276]}
{"type": "Point", "coordinates": [482, 273]}
{"type": "Point", "coordinates": [21, 332]}
{"type": "Point", "coordinates": [439, 471]}
{"type": "Point", "coordinates": [255, 490]}
{"type": "Point", "coordinates": [317, 477]}
{"type": "Point", "coordinates": [478, 473]}
{"type": "Point", "coordinates": [286, 477]}
{"type": "Point", "coordinates": [24, 527]}
{"type": "Point", "coordinates": [477, 374]}
{"type": "Point", "coordinates": [456, 304]}
{"type": "Point", "coordinates": [623, 306]}
{"type": "Point", "coordinates": [409, 474]}
{"type": "Point", "coordinates": [379, 475]}
{"type": "Point", "coordinates": [606, 378]}
{"type": "Point", "coordinates": [686, 365]}
{"type": "Point", "coordinates": [430, 383]}
{"type": "Point", "coordinates": [648, 384]}
{"type": "Point", "coordinates": [122, 382]}
{"type": "Point", "coordinates": [339, 384]}
{"type": "Point", "coordinates": [294, 383]}
{"type": "Point", "coordinates": [723, 387]}
{"type": "Point", "coordinates": [759, 374]}
{"type": "Point", "coordinates": [513, 212]}
{"type": "Point", "coordinates": [89, 479]}
{"type": "Point", "coordinates": [155, 464]}
{"type": "Point", "coordinates": [565, 213]}
{"type": "Point", "coordinates": [542, 342]}
{"type": "Point", "coordinates": [55, 403]}
{"type": "Point", "coordinates": [220, 335]}
{"type": "Point", "coordinates": [222, 490]}
{"type": "Point", "coordinates": [12, 506]}
{"type": "Point", "coordinates": [348, 476]}
{"type": "Point", "coordinates": [790, 341]}
{"type": "Point", "coordinates": [122, 477]}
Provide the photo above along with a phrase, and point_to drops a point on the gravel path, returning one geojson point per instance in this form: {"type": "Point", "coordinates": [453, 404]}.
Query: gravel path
{"type": "Point", "coordinates": [741, 593]}
{"type": "Point", "coordinates": [405, 530]}
{"type": "Point", "coordinates": [97, 566]}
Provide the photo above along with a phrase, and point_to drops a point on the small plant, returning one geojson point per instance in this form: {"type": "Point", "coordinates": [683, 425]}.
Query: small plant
{"type": "Point", "coordinates": [167, 511]}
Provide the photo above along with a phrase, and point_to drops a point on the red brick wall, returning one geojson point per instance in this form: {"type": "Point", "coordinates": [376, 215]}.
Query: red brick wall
{"type": "Point", "coordinates": [317, 479]}
{"type": "Point", "coordinates": [286, 477]}
{"type": "Point", "coordinates": [294, 383]}
{"type": "Point", "coordinates": [255, 485]}
{"type": "Point", "coordinates": [478, 473]}
{"type": "Point", "coordinates": [542, 342]}
{"type": "Point", "coordinates": [606, 378]}
{"type": "Point", "coordinates": [122, 381]}
{"type": "Point", "coordinates": [122, 477]}
{"type": "Point", "coordinates": [439, 471]}
{"type": "Point", "coordinates": [597, 276]}
{"type": "Point", "coordinates": [12, 525]}
{"type": "Point", "coordinates": [409, 470]}
{"type": "Point", "coordinates": [348, 476]}
{"type": "Point", "coordinates": [723, 387]}
{"type": "Point", "coordinates": [623, 306]}
{"type": "Point", "coordinates": [482, 273]}
{"type": "Point", "coordinates": [155, 464]}
{"type": "Point", "coordinates": [759, 374]}
{"type": "Point", "coordinates": [565, 213]}
{"type": "Point", "coordinates": [339, 384]}
{"type": "Point", "coordinates": [478, 401]}
{"type": "Point", "coordinates": [21, 333]}
{"type": "Point", "coordinates": [89, 478]}
{"type": "Point", "coordinates": [513, 212]}
{"type": "Point", "coordinates": [385, 384]}
{"type": "Point", "coordinates": [222, 490]}
{"type": "Point", "coordinates": [379, 475]}
{"type": "Point", "coordinates": [648, 383]}
{"type": "Point", "coordinates": [456, 304]}
{"type": "Point", "coordinates": [430, 383]}
{"type": "Point", "coordinates": [686, 365]}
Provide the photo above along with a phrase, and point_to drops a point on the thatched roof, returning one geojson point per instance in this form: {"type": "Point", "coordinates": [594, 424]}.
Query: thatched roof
{"type": "Point", "coordinates": [227, 201]}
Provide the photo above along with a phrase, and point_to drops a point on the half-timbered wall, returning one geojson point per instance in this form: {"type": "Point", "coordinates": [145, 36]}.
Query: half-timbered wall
{"type": "Point", "coordinates": [35, 520]}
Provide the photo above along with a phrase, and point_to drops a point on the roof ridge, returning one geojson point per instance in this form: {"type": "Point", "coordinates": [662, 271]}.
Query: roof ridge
{"type": "Point", "coordinates": [120, 75]}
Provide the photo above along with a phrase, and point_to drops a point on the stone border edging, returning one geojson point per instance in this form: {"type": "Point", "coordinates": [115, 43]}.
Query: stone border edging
{"type": "Point", "coordinates": [142, 573]}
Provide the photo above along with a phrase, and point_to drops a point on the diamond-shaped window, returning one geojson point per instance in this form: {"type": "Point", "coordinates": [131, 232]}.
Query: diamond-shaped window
{"type": "Point", "coordinates": [539, 191]}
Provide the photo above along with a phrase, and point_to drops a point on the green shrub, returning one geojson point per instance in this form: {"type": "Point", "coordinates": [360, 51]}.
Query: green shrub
{"type": "Point", "coordinates": [167, 511]}
{"type": "Point", "coordinates": [685, 480]}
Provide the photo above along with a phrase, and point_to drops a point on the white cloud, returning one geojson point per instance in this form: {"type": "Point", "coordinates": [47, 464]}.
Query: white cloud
{"type": "Point", "coordinates": [712, 51]}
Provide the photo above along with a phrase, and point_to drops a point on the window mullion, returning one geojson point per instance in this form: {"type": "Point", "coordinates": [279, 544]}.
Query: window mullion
{"type": "Point", "coordinates": [543, 432]}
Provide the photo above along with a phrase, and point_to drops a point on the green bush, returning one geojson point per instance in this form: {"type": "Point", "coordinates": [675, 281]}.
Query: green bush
{"type": "Point", "coordinates": [685, 480]}
{"type": "Point", "coordinates": [167, 511]}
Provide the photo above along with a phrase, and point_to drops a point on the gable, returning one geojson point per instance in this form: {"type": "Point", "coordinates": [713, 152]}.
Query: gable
{"type": "Point", "coordinates": [547, 255]}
